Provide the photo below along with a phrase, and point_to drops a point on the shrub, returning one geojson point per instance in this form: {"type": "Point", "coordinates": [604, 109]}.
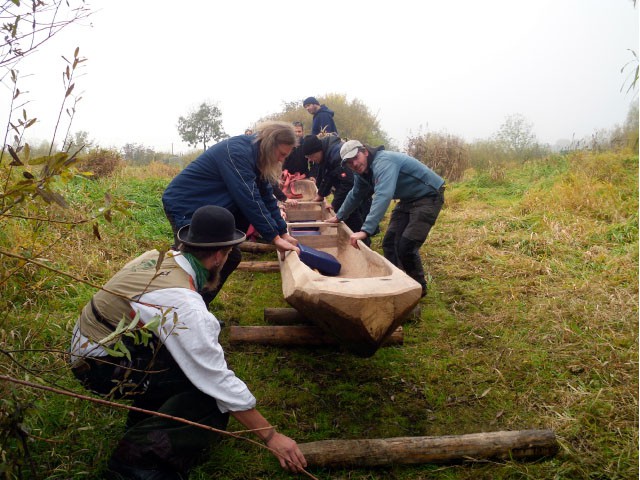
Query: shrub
{"type": "Point", "coordinates": [102, 163]}
{"type": "Point", "coordinates": [445, 154]}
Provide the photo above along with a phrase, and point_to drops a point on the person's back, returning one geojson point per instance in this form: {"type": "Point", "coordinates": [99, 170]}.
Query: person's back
{"type": "Point", "coordinates": [203, 180]}
{"type": "Point", "coordinates": [236, 174]}
{"type": "Point", "coordinates": [414, 178]}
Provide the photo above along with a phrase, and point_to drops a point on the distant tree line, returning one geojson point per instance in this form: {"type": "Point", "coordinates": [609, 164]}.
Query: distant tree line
{"type": "Point", "coordinates": [447, 154]}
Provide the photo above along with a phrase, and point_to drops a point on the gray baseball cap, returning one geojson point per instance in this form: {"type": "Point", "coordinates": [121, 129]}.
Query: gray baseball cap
{"type": "Point", "coordinates": [349, 150]}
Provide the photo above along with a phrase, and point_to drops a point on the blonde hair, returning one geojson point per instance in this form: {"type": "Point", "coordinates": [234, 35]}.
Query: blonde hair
{"type": "Point", "coordinates": [270, 136]}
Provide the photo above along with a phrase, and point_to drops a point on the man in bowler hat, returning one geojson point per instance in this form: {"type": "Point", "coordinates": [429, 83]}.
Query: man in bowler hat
{"type": "Point", "coordinates": [180, 370]}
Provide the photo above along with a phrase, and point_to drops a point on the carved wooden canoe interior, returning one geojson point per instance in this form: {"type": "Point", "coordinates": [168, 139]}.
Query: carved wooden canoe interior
{"type": "Point", "coordinates": [306, 188]}
{"type": "Point", "coordinates": [364, 303]}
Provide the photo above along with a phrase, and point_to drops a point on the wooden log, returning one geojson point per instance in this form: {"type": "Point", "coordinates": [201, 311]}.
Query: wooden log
{"type": "Point", "coordinates": [293, 335]}
{"type": "Point", "coordinates": [255, 247]}
{"type": "Point", "coordinates": [290, 316]}
{"type": "Point", "coordinates": [284, 316]}
{"type": "Point", "coordinates": [255, 266]}
{"type": "Point", "coordinates": [505, 445]}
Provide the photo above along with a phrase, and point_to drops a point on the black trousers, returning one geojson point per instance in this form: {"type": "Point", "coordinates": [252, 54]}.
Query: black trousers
{"type": "Point", "coordinates": [158, 384]}
{"type": "Point", "coordinates": [408, 229]}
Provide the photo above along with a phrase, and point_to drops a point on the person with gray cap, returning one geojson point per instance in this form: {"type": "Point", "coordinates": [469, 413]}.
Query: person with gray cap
{"type": "Point", "coordinates": [178, 366]}
{"type": "Point", "coordinates": [383, 176]}
{"type": "Point", "coordinates": [322, 117]}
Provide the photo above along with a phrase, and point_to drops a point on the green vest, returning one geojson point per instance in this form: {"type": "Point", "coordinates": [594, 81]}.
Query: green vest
{"type": "Point", "coordinates": [103, 313]}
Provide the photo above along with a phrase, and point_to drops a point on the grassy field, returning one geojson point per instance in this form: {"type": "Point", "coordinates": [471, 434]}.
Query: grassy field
{"type": "Point", "coordinates": [531, 321]}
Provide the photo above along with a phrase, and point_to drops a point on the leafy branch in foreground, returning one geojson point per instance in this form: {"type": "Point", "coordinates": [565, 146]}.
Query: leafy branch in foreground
{"type": "Point", "coordinates": [36, 216]}
{"type": "Point", "coordinates": [236, 434]}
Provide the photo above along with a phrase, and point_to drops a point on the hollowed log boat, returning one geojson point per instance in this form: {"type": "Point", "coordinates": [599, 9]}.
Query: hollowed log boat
{"type": "Point", "coordinates": [304, 189]}
{"type": "Point", "coordinates": [362, 305]}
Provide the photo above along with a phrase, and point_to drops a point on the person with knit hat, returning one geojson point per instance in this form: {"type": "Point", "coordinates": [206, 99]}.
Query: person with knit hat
{"type": "Point", "coordinates": [332, 175]}
{"type": "Point", "coordinates": [177, 365]}
{"type": "Point", "coordinates": [322, 117]}
{"type": "Point", "coordinates": [381, 176]}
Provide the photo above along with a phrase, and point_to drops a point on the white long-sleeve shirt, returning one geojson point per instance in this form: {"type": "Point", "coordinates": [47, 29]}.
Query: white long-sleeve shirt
{"type": "Point", "coordinates": [192, 342]}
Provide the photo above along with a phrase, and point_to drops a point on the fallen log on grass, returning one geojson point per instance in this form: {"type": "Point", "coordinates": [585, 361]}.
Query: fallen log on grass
{"type": "Point", "coordinates": [255, 266]}
{"type": "Point", "coordinates": [284, 316]}
{"type": "Point", "coordinates": [290, 316]}
{"type": "Point", "coordinates": [517, 445]}
{"type": "Point", "coordinates": [293, 335]}
{"type": "Point", "coordinates": [255, 247]}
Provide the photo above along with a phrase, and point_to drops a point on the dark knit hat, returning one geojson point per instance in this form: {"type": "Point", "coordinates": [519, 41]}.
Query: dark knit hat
{"type": "Point", "coordinates": [312, 144]}
{"type": "Point", "coordinates": [310, 101]}
{"type": "Point", "coordinates": [211, 227]}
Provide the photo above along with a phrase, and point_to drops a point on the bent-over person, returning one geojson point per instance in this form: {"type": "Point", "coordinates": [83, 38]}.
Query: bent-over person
{"type": "Point", "coordinates": [386, 175]}
{"type": "Point", "coordinates": [238, 174]}
{"type": "Point", "coordinates": [183, 371]}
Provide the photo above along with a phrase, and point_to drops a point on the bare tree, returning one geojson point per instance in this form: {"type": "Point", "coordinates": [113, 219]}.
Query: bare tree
{"type": "Point", "coordinates": [27, 25]}
{"type": "Point", "coordinates": [516, 134]}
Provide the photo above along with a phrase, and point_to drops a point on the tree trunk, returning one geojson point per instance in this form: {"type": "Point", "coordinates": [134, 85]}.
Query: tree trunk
{"type": "Point", "coordinates": [525, 444]}
{"type": "Point", "coordinates": [254, 266]}
{"type": "Point", "coordinates": [290, 316]}
{"type": "Point", "coordinates": [284, 316]}
{"type": "Point", "coordinates": [293, 335]}
{"type": "Point", "coordinates": [255, 247]}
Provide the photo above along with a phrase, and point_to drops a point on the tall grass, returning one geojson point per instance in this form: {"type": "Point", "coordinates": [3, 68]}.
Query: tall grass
{"type": "Point", "coordinates": [531, 321]}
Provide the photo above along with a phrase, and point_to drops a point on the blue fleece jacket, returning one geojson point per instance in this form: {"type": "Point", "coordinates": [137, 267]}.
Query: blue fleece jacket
{"type": "Point", "coordinates": [391, 175]}
{"type": "Point", "coordinates": [226, 175]}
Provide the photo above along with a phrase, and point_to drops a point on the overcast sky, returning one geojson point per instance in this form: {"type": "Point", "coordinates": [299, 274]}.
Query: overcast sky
{"type": "Point", "coordinates": [460, 67]}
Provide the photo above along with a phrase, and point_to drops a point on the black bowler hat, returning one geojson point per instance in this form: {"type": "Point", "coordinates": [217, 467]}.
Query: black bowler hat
{"type": "Point", "coordinates": [311, 145]}
{"type": "Point", "coordinates": [211, 227]}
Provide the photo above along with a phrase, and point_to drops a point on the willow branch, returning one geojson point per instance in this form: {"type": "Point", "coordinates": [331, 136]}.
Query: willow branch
{"type": "Point", "coordinates": [108, 403]}
{"type": "Point", "coordinates": [55, 270]}
{"type": "Point", "coordinates": [72, 223]}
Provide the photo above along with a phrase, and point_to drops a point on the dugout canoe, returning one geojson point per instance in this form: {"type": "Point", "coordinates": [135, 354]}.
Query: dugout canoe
{"type": "Point", "coordinates": [361, 306]}
{"type": "Point", "coordinates": [304, 190]}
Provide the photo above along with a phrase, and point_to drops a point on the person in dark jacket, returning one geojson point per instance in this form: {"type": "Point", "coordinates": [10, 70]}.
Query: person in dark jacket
{"type": "Point", "coordinates": [237, 174]}
{"type": "Point", "coordinates": [322, 117]}
{"type": "Point", "coordinates": [296, 162]}
{"type": "Point", "coordinates": [332, 175]}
